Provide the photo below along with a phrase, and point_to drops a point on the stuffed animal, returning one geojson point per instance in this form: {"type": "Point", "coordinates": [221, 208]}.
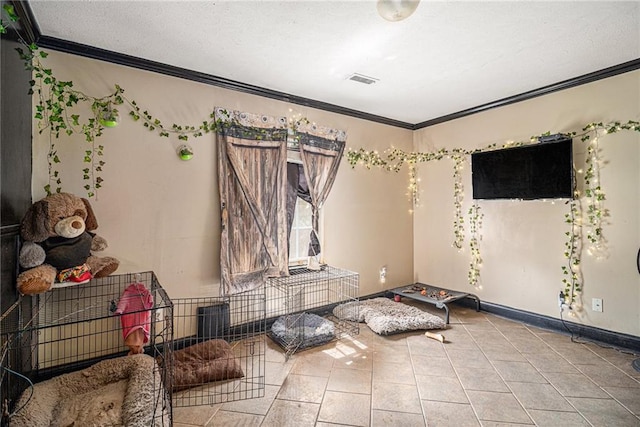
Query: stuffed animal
{"type": "Point", "coordinates": [57, 244]}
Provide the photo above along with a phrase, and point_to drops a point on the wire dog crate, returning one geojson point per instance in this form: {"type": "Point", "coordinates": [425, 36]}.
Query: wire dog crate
{"type": "Point", "coordinates": [297, 300]}
{"type": "Point", "coordinates": [69, 329]}
{"type": "Point", "coordinates": [220, 347]}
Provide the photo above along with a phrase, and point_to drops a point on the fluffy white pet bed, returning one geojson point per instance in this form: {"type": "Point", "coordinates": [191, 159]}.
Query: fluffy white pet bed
{"type": "Point", "coordinates": [385, 316]}
{"type": "Point", "coordinates": [125, 391]}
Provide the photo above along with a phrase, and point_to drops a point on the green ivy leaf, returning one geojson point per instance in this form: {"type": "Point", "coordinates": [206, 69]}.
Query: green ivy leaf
{"type": "Point", "coordinates": [11, 12]}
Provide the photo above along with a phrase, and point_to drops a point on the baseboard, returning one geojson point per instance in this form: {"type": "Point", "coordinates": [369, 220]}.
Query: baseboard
{"type": "Point", "coordinates": [590, 333]}
{"type": "Point", "coordinates": [583, 332]}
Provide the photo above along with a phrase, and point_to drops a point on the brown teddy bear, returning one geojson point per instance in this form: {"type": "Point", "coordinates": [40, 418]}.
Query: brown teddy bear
{"type": "Point", "coordinates": [57, 244]}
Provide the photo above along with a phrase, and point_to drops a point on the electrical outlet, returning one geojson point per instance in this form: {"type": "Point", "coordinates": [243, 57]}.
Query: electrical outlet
{"type": "Point", "coordinates": [596, 304]}
{"type": "Point", "coordinates": [561, 299]}
{"type": "Point", "coordinates": [562, 302]}
{"type": "Point", "coordinates": [383, 274]}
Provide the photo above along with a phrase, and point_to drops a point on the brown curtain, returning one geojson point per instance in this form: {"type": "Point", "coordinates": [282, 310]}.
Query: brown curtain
{"type": "Point", "coordinates": [252, 159]}
{"type": "Point", "coordinates": [321, 151]}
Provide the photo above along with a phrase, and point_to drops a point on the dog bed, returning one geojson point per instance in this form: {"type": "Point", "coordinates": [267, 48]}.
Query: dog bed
{"type": "Point", "coordinates": [204, 362]}
{"type": "Point", "coordinates": [386, 317]}
{"type": "Point", "coordinates": [125, 391]}
{"type": "Point", "coordinates": [302, 331]}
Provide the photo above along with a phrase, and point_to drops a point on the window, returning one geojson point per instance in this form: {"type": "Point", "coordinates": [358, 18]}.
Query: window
{"type": "Point", "coordinates": [300, 232]}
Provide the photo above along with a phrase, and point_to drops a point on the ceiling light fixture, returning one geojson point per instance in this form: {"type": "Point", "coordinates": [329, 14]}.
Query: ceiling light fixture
{"type": "Point", "coordinates": [397, 10]}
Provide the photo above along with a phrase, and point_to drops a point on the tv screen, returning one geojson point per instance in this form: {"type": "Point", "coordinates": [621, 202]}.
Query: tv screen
{"type": "Point", "coordinates": [539, 171]}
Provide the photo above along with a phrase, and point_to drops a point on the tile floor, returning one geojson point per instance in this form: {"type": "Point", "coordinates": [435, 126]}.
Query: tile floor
{"type": "Point", "coordinates": [489, 372]}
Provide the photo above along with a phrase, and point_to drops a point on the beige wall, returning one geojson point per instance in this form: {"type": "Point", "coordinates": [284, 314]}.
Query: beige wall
{"type": "Point", "coordinates": [159, 213]}
{"type": "Point", "coordinates": [162, 214]}
{"type": "Point", "coordinates": [523, 241]}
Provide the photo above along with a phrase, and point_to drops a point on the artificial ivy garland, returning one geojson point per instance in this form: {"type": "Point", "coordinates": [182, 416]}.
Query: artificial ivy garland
{"type": "Point", "coordinates": [458, 196]}
{"type": "Point", "coordinates": [475, 224]}
{"type": "Point", "coordinates": [596, 213]}
{"type": "Point", "coordinates": [573, 249]}
{"type": "Point", "coordinates": [393, 159]}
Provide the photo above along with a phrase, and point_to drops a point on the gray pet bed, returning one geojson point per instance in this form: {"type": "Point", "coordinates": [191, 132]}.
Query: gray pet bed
{"type": "Point", "coordinates": [302, 330]}
{"type": "Point", "coordinates": [125, 391]}
{"type": "Point", "coordinates": [385, 316]}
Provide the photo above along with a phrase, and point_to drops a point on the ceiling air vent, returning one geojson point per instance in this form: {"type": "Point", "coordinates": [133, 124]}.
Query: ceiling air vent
{"type": "Point", "coordinates": [362, 79]}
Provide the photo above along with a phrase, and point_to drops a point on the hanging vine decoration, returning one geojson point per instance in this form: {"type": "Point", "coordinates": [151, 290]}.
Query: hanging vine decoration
{"type": "Point", "coordinates": [182, 132]}
{"type": "Point", "coordinates": [475, 224]}
{"type": "Point", "coordinates": [573, 252]}
{"type": "Point", "coordinates": [595, 197]}
{"type": "Point", "coordinates": [413, 190]}
{"type": "Point", "coordinates": [393, 160]}
{"type": "Point", "coordinates": [11, 15]}
{"type": "Point", "coordinates": [458, 197]}
{"type": "Point", "coordinates": [54, 101]}
{"type": "Point", "coordinates": [596, 212]}
{"type": "Point", "coordinates": [55, 111]}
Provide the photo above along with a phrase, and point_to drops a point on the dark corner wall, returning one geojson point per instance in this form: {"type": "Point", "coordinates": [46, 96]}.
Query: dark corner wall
{"type": "Point", "coordinates": [15, 163]}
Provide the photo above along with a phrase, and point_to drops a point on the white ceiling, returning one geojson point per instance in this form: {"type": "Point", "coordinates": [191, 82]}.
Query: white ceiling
{"type": "Point", "coordinates": [447, 57]}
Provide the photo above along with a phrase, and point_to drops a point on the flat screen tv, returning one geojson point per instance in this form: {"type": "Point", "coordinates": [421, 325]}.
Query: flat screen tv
{"type": "Point", "coordinates": [543, 170]}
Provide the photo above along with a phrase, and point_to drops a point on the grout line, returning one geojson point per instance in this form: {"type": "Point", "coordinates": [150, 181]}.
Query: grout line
{"type": "Point", "coordinates": [372, 344]}
{"type": "Point", "coordinates": [585, 346]}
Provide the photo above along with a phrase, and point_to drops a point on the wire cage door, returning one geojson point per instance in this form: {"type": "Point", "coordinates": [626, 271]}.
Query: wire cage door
{"type": "Point", "coordinates": [299, 307]}
{"type": "Point", "coordinates": [219, 349]}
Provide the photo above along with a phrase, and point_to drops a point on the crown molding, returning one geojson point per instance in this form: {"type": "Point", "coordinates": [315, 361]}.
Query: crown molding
{"type": "Point", "coordinates": [183, 73]}
{"type": "Point", "coordinates": [30, 26]}
{"type": "Point", "coordinates": [566, 84]}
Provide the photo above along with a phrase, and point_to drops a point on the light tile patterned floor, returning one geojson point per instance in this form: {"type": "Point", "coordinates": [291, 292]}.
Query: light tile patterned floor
{"type": "Point", "coordinates": [489, 372]}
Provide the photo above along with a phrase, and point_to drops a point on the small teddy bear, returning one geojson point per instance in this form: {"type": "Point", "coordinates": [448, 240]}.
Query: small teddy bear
{"type": "Point", "coordinates": [57, 244]}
